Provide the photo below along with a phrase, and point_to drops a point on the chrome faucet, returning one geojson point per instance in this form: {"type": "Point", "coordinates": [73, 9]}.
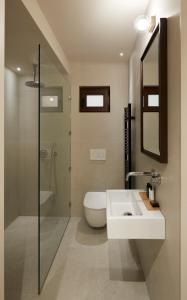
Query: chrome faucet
{"type": "Point", "coordinates": [155, 180]}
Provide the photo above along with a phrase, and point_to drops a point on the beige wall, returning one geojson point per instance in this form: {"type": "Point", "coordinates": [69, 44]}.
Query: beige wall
{"type": "Point", "coordinates": [151, 132]}
{"type": "Point", "coordinates": [11, 147]}
{"type": "Point", "coordinates": [28, 148]}
{"type": "Point", "coordinates": [21, 147]}
{"type": "Point", "coordinates": [97, 130]}
{"type": "Point", "coordinates": [150, 73]}
{"type": "Point", "coordinates": [184, 152]}
{"type": "Point", "coordinates": [161, 260]}
{"type": "Point", "coordinates": [21, 152]}
{"type": "Point", "coordinates": [55, 129]}
{"type": "Point", "coordinates": [2, 45]}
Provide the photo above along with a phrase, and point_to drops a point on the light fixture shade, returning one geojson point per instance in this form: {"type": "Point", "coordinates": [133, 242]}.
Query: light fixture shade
{"type": "Point", "coordinates": [142, 23]}
{"type": "Point", "coordinates": [18, 69]}
{"type": "Point", "coordinates": [152, 23]}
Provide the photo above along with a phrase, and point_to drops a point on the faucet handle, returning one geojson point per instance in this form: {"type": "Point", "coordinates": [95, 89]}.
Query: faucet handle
{"type": "Point", "coordinates": [155, 178]}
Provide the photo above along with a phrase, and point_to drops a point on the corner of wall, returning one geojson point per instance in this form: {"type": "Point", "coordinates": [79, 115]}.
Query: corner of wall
{"type": "Point", "coordinates": [161, 261]}
{"type": "Point", "coordinates": [2, 47]}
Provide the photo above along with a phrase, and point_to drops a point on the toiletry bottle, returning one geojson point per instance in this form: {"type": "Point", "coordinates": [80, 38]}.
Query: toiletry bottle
{"type": "Point", "coordinates": [151, 194]}
{"type": "Point", "coordinates": [148, 187]}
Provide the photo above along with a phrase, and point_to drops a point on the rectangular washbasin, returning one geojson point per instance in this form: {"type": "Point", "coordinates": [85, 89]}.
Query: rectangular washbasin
{"type": "Point", "coordinates": [125, 209]}
{"type": "Point", "coordinates": [128, 217]}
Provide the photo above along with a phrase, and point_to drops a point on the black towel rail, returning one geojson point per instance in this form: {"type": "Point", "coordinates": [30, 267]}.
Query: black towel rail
{"type": "Point", "coordinates": [128, 144]}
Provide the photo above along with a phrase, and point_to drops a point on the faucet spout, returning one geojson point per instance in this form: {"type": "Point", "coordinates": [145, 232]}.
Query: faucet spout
{"type": "Point", "coordinates": [152, 173]}
{"type": "Point", "coordinates": [155, 181]}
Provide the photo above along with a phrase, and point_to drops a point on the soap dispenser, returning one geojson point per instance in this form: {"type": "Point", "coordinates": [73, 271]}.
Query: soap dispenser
{"type": "Point", "coordinates": [148, 189]}
{"type": "Point", "coordinates": [151, 194]}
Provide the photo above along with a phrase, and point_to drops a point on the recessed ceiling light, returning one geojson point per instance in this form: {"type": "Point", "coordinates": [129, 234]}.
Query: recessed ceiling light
{"type": "Point", "coordinates": [142, 23]}
{"type": "Point", "coordinates": [18, 69]}
{"type": "Point", "coordinates": [51, 99]}
{"type": "Point", "coordinates": [121, 54]}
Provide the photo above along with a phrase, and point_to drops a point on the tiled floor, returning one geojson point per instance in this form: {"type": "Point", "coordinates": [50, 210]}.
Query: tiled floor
{"type": "Point", "coordinates": [21, 254]}
{"type": "Point", "coordinates": [51, 231]}
{"type": "Point", "coordinates": [87, 266]}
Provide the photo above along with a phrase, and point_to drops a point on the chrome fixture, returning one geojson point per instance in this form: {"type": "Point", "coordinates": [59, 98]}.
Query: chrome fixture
{"type": "Point", "coordinates": [145, 23]}
{"type": "Point", "coordinates": [155, 181]}
{"type": "Point", "coordinates": [34, 83]}
{"type": "Point", "coordinates": [156, 178]}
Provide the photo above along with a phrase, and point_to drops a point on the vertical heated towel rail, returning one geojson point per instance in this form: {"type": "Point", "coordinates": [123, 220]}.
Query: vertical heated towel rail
{"type": "Point", "coordinates": [128, 144]}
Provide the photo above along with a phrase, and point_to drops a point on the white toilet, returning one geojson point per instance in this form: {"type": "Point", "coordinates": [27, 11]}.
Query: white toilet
{"type": "Point", "coordinates": [95, 209]}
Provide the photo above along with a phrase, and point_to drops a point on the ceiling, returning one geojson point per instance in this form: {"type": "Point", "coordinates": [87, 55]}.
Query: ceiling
{"type": "Point", "coordinates": [94, 30]}
{"type": "Point", "coordinates": [21, 49]}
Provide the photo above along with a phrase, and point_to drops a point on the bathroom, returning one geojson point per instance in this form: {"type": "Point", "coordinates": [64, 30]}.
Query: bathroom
{"type": "Point", "coordinates": [57, 152]}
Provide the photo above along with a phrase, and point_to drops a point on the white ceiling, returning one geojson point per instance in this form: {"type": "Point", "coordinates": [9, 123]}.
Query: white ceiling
{"type": "Point", "coordinates": [94, 30]}
{"type": "Point", "coordinates": [20, 49]}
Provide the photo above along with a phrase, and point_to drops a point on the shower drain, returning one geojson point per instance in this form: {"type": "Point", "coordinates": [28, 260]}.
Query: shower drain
{"type": "Point", "coordinates": [127, 213]}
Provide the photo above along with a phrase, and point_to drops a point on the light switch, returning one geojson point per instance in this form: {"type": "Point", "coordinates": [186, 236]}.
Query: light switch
{"type": "Point", "coordinates": [97, 154]}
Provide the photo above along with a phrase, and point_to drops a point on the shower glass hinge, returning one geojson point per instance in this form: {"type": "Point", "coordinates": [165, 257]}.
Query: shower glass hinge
{"type": "Point", "coordinates": [69, 98]}
{"type": "Point", "coordinates": [70, 169]}
{"type": "Point", "coordinates": [69, 132]}
{"type": "Point", "coordinates": [69, 204]}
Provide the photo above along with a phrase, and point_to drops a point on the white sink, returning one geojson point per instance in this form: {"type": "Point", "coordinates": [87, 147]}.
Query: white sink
{"type": "Point", "coordinates": [128, 217]}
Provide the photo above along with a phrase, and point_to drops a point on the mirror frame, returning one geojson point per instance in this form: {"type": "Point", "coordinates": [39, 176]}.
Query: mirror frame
{"type": "Point", "coordinates": [160, 30]}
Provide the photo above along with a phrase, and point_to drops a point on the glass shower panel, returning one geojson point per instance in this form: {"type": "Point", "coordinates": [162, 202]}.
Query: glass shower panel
{"type": "Point", "coordinates": [54, 167]}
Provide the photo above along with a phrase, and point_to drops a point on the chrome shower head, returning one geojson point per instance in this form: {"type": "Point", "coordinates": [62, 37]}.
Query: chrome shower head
{"type": "Point", "coordinates": [34, 83]}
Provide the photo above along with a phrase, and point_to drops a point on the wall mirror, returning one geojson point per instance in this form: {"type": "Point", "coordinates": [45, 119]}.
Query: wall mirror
{"type": "Point", "coordinates": [154, 95]}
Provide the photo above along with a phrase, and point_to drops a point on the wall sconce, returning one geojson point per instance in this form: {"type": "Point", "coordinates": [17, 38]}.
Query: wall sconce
{"type": "Point", "coordinates": [144, 23]}
{"type": "Point", "coordinates": [152, 24]}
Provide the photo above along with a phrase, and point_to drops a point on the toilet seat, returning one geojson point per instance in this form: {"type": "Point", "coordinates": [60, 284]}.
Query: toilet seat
{"type": "Point", "coordinates": [95, 200]}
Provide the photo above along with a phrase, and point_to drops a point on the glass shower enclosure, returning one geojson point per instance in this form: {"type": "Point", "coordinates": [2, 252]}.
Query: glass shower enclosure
{"type": "Point", "coordinates": [54, 159]}
{"type": "Point", "coordinates": [37, 154]}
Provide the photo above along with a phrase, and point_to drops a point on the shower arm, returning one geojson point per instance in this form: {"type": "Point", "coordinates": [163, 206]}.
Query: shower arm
{"type": "Point", "coordinates": [34, 71]}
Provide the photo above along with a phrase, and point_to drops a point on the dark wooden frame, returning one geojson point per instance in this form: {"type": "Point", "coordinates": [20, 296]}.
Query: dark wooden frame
{"type": "Point", "coordinates": [161, 29]}
{"type": "Point", "coordinates": [94, 90]}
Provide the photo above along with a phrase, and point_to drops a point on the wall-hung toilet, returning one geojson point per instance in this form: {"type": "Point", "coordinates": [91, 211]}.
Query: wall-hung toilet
{"type": "Point", "coordinates": [95, 209]}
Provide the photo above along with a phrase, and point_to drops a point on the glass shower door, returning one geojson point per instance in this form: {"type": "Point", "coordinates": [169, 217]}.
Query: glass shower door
{"type": "Point", "coordinates": [54, 160]}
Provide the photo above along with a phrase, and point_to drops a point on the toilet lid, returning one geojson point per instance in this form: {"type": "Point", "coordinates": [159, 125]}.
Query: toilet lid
{"type": "Point", "coordinates": [95, 200]}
